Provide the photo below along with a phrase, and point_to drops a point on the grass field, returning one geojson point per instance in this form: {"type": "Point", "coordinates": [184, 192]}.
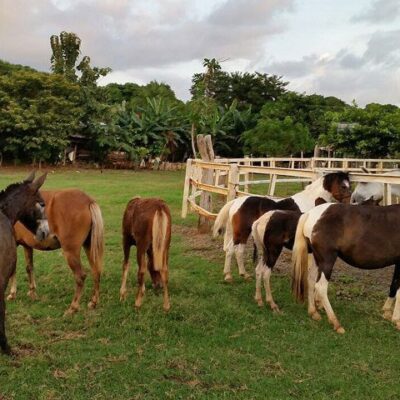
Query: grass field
{"type": "Point", "coordinates": [214, 343]}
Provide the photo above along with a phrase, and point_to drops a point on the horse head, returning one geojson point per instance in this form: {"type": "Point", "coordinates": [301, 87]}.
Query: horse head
{"type": "Point", "coordinates": [338, 185]}
{"type": "Point", "coordinates": [24, 202]}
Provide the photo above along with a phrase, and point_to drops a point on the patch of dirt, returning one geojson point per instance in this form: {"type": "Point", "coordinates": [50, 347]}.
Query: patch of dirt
{"type": "Point", "coordinates": [349, 282]}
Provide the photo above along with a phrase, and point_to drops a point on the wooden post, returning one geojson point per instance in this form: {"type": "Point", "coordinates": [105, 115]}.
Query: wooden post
{"type": "Point", "coordinates": [186, 187]}
{"type": "Point", "coordinates": [246, 175]}
{"type": "Point", "coordinates": [204, 144]}
{"type": "Point", "coordinates": [272, 185]}
{"type": "Point", "coordinates": [233, 181]}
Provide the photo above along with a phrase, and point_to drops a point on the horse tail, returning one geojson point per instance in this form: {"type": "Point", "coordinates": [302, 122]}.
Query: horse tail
{"type": "Point", "coordinates": [160, 229]}
{"type": "Point", "coordinates": [258, 240]}
{"type": "Point", "coordinates": [300, 261]}
{"type": "Point", "coordinates": [222, 218]}
{"type": "Point", "coordinates": [96, 235]}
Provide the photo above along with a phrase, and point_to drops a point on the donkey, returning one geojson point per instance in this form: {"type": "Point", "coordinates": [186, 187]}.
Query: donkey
{"type": "Point", "coordinates": [237, 216]}
{"type": "Point", "coordinates": [75, 221]}
{"type": "Point", "coordinates": [18, 202]}
{"type": "Point", "coordinates": [147, 225]}
{"type": "Point", "coordinates": [365, 237]}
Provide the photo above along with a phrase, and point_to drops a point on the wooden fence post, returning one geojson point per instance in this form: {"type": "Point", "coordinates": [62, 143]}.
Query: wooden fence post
{"type": "Point", "coordinates": [233, 181]}
{"type": "Point", "coordinates": [204, 144]}
{"type": "Point", "coordinates": [246, 175]}
{"type": "Point", "coordinates": [186, 187]}
{"type": "Point", "coordinates": [272, 185]}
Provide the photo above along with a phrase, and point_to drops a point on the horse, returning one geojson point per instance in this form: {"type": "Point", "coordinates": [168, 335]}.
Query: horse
{"type": "Point", "coordinates": [147, 225]}
{"type": "Point", "coordinates": [18, 202]}
{"type": "Point", "coordinates": [365, 237]}
{"type": "Point", "coordinates": [238, 215]}
{"type": "Point", "coordinates": [272, 232]}
{"type": "Point", "coordinates": [373, 190]}
{"type": "Point", "coordinates": [75, 221]}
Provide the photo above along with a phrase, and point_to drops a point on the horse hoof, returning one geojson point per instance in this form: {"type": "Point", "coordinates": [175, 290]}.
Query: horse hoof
{"type": "Point", "coordinates": [92, 305]}
{"type": "Point", "coordinates": [228, 278]}
{"type": "Point", "coordinates": [259, 302]}
{"type": "Point", "coordinates": [316, 316]}
{"type": "Point", "coordinates": [276, 310]}
{"type": "Point", "coordinates": [122, 297]}
{"type": "Point", "coordinates": [11, 296]}
{"type": "Point", "coordinates": [246, 277]}
{"type": "Point", "coordinates": [32, 295]}
{"type": "Point", "coordinates": [397, 323]}
{"type": "Point", "coordinates": [340, 330]}
{"type": "Point", "coordinates": [387, 315]}
{"type": "Point", "coordinates": [70, 311]}
{"type": "Point", "coordinates": [167, 307]}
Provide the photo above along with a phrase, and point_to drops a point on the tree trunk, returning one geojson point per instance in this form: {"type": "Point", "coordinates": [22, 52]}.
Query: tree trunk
{"type": "Point", "coordinates": [192, 132]}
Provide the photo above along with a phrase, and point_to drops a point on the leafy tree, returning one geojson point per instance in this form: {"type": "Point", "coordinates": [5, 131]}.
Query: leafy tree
{"type": "Point", "coordinates": [274, 137]}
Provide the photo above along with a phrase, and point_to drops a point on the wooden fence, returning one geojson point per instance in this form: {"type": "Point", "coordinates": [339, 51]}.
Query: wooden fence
{"type": "Point", "coordinates": [233, 177]}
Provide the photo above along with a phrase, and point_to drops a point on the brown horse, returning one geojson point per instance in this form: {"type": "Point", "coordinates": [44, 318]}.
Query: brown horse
{"type": "Point", "coordinates": [20, 201]}
{"type": "Point", "coordinates": [147, 225]}
{"type": "Point", "coordinates": [366, 237]}
{"type": "Point", "coordinates": [75, 221]}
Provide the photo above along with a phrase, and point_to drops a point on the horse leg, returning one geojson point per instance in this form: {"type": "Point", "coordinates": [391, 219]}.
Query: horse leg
{"type": "Point", "coordinates": [28, 253]}
{"type": "Point", "coordinates": [3, 339]}
{"type": "Point", "coordinates": [142, 266]}
{"type": "Point", "coordinates": [396, 312]}
{"type": "Point", "coordinates": [321, 288]}
{"type": "Point", "coordinates": [312, 277]}
{"type": "Point", "coordinates": [259, 275]}
{"type": "Point", "coordinates": [387, 307]}
{"type": "Point", "coordinates": [229, 250]}
{"type": "Point", "coordinates": [155, 275]}
{"type": "Point", "coordinates": [239, 253]}
{"type": "Point", "coordinates": [268, 292]}
{"type": "Point", "coordinates": [95, 266]}
{"type": "Point", "coordinates": [74, 261]}
{"type": "Point", "coordinates": [126, 244]}
{"type": "Point", "coordinates": [13, 286]}
{"type": "Point", "coordinates": [164, 279]}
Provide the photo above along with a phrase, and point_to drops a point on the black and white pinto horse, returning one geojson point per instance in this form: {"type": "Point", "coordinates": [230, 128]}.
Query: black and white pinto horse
{"type": "Point", "coordinates": [365, 237]}
{"type": "Point", "coordinates": [237, 216]}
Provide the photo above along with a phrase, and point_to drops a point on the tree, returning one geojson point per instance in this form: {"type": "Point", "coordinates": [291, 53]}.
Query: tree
{"type": "Point", "coordinates": [274, 137]}
{"type": "Point", "coordinates": [65, 52]}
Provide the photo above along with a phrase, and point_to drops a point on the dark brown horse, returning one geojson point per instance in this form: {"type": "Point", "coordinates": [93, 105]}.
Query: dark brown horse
{"type": "Point", "coordinates": [237, 216]}
{"type": "Point", "coordinates": [147, 225]}
{"type": "Point", "coordinates": [365, 237]}
{"type": "Point", "coordinates": [18, 202]}
{"type": "Point", "coordinates": [75, 221]}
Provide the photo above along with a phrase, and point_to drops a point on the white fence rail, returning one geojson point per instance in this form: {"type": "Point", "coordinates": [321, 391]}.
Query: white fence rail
{"type": "Point", "coordinates": [228, 174]}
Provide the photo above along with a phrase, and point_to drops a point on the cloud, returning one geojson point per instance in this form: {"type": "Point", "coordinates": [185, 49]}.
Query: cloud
{"type": "Point", "coordinates": [373, 76]}
{"type": "Point", "coordinates": [379, 11]}
{"type": "Point", "coordinates": [131, 34]}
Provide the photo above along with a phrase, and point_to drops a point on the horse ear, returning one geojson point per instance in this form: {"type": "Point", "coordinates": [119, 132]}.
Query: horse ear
{"type": "Point", "coordinates": [30, 177]}
{"type": "Point", "coordinates": [363, 169]}
{"type": "Point", "coordinates": [39, 182]}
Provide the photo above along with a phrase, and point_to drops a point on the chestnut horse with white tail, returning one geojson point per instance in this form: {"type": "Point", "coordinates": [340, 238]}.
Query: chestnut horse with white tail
{"type": "Point", "coordinates": [238, 215]}
{"type": "Point", "coordinates": [366, 237]}
{"type": "Point", "coordinates": [147, 225]}
{"type": "Point", "coordinates": [75, 221]}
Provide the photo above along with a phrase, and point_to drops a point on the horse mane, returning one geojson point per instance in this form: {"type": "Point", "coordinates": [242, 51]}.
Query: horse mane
{"type": "Point", "coordinates": [5, 193]}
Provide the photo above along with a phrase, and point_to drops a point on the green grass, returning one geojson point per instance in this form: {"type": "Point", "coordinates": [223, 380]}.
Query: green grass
{"type": "Point", "coordinates": [214, 343]}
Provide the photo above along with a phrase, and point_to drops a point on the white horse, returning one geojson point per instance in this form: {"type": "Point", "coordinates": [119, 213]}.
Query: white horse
{"type": "Point", "coordinates": [373, 190]}
{"type": "Point", "coordinates": [237, 216]}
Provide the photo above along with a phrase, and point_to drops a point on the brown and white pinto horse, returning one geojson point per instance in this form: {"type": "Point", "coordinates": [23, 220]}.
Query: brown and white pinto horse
{"type": "Point", "coordinates": [271, 232]}
{"type": "Point", "coordinates": [237, 216]}
{"type": "Point", "coordinates": [75, 221]}
{"type": "Point", "coordinates": [365, 237]}
{"type": "Point", "coordinates": [147, 225]}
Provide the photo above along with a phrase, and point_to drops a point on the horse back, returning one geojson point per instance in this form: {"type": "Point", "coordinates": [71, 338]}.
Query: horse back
{"type": "Point", "coordinates": [138, 218]}
{"type": "Point", "coordinates": [363, 236]}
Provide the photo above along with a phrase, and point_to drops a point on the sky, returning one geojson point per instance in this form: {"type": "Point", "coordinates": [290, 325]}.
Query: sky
{"type": "Point", "coordinates": [348, 49]}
